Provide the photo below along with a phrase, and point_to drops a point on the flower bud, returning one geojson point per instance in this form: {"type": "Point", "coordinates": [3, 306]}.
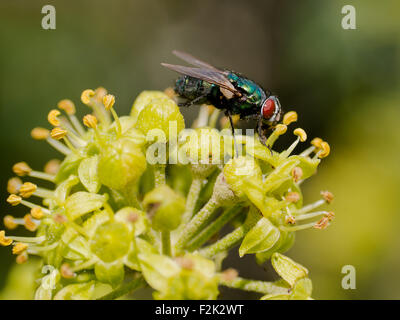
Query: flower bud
{"type": "Point", "coordinates": [143, 99]}
{"type": "Point", "coordinates": [165, 208]}
{"type": "Point", "coordinates": [159, 114]}
{"type": "Point", "coordinates": [121, 163]}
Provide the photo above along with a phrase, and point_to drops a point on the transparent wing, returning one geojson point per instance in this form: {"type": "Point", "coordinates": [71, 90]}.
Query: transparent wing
{"type": "Point", "coordinates": [194, 61]}
{"type": "Point", "coordinates": [208, 75]}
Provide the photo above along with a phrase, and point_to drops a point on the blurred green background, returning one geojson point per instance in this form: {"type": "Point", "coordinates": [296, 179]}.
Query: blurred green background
{"type": "Point", "coordinates": [343, 83]}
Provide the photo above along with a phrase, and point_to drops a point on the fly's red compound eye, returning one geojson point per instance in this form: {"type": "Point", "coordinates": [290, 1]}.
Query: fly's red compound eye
{"type": "Point", "coordinates": [268, 108]}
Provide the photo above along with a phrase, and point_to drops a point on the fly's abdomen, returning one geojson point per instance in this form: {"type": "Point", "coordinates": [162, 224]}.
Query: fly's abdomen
{"type": "Point", "coordinates": [193, 88]}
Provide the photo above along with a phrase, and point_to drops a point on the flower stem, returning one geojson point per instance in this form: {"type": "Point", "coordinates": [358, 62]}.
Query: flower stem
{"type": "Point", "coordinates": [166, 242]}
{"type": "Point", "coordinates": [192, 197]}
{"type": "Point", "coordinates": [263, 287]}
{"type": "Point", "coordinates": [226, 243]}
{"type": "Point", "coordinates": [125, 288]}
{"type": "Point", "coordinates": [196, 223]}
{"type": "Point", "coordinates": [213, 228]}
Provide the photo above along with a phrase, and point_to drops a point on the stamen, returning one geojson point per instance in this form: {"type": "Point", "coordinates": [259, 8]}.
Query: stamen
{"type": "Point", "coordinates": [3, 240]}
{"type": "Point", "coordinates": [328, 196]}
{"type": "Point", "coordinates": [290, 220]}
{"type": "Point", "coordinates": [14, 200]}
{"type": "Point", "coordinates": [27, 189]}
{"type": "Point", "coordinates": [58, 134]}
{"type": "Point", "coordinates": [52, 117]}
{"type": "Point", "coordinates": [13, 185]}
{"type": "Point", "coordinates": [10, 222]}
{"type": "Point", "coordinates": [19, 248]}
{"type": "Point", "coordinates": [297, 173]}
{"type": "Point", "coordinates": [22, 169]}
{"type": "Point", "coordinates": [109, 101]}
{"type": "Point", "coordinates": [289, 117]}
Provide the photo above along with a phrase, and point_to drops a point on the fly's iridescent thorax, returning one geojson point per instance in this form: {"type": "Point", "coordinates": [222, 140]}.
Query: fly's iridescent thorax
{"type": "Point", "coordinates": [254, 95]}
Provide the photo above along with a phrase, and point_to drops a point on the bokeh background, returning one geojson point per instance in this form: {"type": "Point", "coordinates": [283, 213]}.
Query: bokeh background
{"type": "Point", "coordinates": [343, 83]}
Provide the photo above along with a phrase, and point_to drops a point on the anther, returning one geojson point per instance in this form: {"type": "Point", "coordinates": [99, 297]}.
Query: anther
{"type": "Point", "coordinates": [13, 185]}
{"type": "Point", "coordinates": [21, 169]}
{"type": "Point", "coordinates": [292, 197]}
{"type": "Point", "coordinates": [301, 134]}
{"type": "Point", "coordinates": [325, 150]}
{"type": "Point", "coordinates": [280, 129]}
{"type": "Point", "coordinates": [297, 174]}
{"type": "Point", "coordinates": [322, 224]}
{"type": "Point", "coordinates": [40, 133]}
{"type": "Point", "coordinates": [9, 222]}
{"type": "Point", "coordinates": [29, 223]}
{"type": "Point", "coordinates": [27, 189]}
{"type": "Point", "coordinates": [290, 220]}
{"type": "Point", "coordinates": [3, 240]}
{"type": "Point", "coordinates": [289, 117]}
{"type": "Point", "coordinates": [229, 274]}
{"type": "Point", "coordinates": [52, 166]}
{"type": "Point", "coordinates": [52, 117]}
{"type": "Point", "coordinates": [58, 133]}
{"type": "Point", "coordinates": [19, 248]}
{"type": "Point", "coordinates": [90, 121]}
{"type": "Point", "coordinates": [14, 200]}
{"type": "Point", "coordinates": [108, 101]}
{"type": "Point", "coordinates": [22, 258]}
{"type": "Point", "coordinates": [66, 271]}
{"type": "Point", "coordinates": [316, 142]}
{"type": "Point", "coordinates": [68, 106]}
{"type": "Point", "coordinates": [37, 213]}
{"type": "Point", "coordinates": [328, 196]}
{"type": "Point", "coordinates": [185, 263]}
{"type": "Point", "coordinates": [87, 95]}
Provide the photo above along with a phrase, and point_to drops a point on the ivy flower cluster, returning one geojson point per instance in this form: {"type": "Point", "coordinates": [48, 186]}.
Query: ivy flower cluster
{"type": "Point", "coordinates": [115, 221]}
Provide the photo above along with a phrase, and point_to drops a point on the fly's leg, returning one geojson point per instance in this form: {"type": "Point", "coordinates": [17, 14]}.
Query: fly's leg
{"type": "Point", "coordinates": [233, 133]}
{"type": "Point", "coordinates": [262, 136]}
{"type": "Point", "coordinates": [190, 103]}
